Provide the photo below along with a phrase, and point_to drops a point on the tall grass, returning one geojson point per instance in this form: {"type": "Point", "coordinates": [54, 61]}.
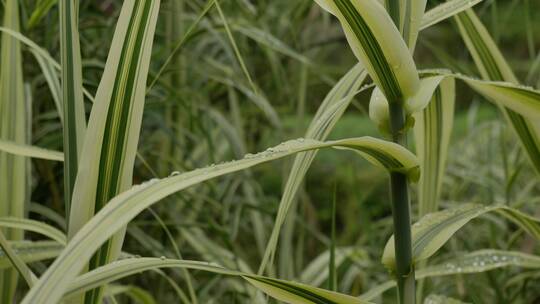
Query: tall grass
{"type": "Point", "coordinates": [170, 101]}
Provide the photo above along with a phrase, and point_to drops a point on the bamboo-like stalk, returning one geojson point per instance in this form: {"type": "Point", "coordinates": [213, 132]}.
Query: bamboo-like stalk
{"type": "Point", "coordinates": [399, 196]}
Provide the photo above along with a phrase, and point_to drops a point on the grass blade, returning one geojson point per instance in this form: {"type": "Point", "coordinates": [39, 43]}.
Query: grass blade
{"type": "Point", "coordinates": [432, 231]}
{"type": "Point", "coordinates": [328, 114]}
{"type": "Point", "coordinates": [72, 95]}
{"type": "Point", "coordinates": [41, 9]}
{"type": "Point", "coordinates": [34, 226]}
{"type": "Point", "coordinates": [287, 291]}
{"type": "Point", "coordinates": [124, 207]}
{"type": "Point", "coordinates": [432, 130]}
{"type": "Point", "coordinates": [493, 66]}
{"type": "Point", "coordinates": [446, 10]}
{"type": "Point", "coordinates": [13, 128]}
{"type": "Point", "coordinates": [377, 43]}
{"type": "Point", "coordinates": [21, 267]}
{"type": "Point", "coordinates": [14, 148]}
{"type": "Point", "coordinates": [474, 262]}
{"type": "Point", "coordinates": [110, 144]}
{"type": "Point", "coordinates": [30, 252]}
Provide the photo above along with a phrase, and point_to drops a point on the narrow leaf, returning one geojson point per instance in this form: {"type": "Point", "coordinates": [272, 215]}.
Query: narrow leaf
{"type": "Point", "coordinates": [110, 144]}
{"type": "Point", "coordinates": [474, 262]}
{"type": "Point", "coordinates": [13, 128]}
{"type": "Point", "coordinates": [377, 43]}
{"type": "Point", "coordinates": [445, 10]}
{"type": "Point", "coordinates": [331, 109]}
{"type": "Point", "coordinates": [493, 66]}
{"type": "Point", "coordinates": [124, 207]}
{"type": "Point", "coordinates": [29, 151]}
{"type": "Point", "coordinates": [34, 226]}
{"type": "Point", "coordinates": [287, 291]}
{"type": "Point", "coordinates": [21, 267]}
{"type": "Point", "coordinates": [432, 231]}
{"type": "Point", "coordinates": [74, 123]}
{"type": "Point", "coordinates": [432, 130]}
{"type": "Point", "coordinates": [30, 252]}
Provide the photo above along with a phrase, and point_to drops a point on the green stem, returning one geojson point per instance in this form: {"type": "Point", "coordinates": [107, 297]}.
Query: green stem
{"type": "Point", "coordinates": [399, 197]}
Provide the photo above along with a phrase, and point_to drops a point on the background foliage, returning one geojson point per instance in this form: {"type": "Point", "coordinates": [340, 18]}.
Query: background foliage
{"type": "Point", "coordinates": [251, 77]}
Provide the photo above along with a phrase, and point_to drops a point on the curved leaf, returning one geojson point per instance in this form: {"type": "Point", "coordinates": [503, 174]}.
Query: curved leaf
{"type": "Point", "coordinates": [34, 226]}
{"type": "Point", "coordinates": [16, 261]}
{"type": "Point", "coordinates": [124, 207]}
{"type": "Point", "coordinates": [110, 144]}
{"type": "Point", "coordinates": [30, 252]}
{"type": "Point", "coordinates": [332, 108]}
{"type": "Point", "coordinates": [287, 291]}
{"type": "Point", "coordinates": [435, 229]}
{"type": "Point", "coordinates": [492, 65]}
{"type": "Point", "coordinates": [377, 43]}
{"type": "Point", "coordinates": [474, 262]}
{"type": "Point", "coordinates": [445, 10]}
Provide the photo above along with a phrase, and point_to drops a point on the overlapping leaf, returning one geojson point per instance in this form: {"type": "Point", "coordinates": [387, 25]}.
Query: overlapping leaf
{"type": "Point", "coordinates": [474, 262]}
{"type": "Point", "coordinates": [432, 231]}
{"type": "Point", "coordinates": [287, 291]}
{"type": "Point", "coordinates": [14, 128]}
{"type": "Point", "coordinates": [493, 66]}
{"type": "Point", "coordinates": [377, 43]}
{"type": "Point", "coordinates": [33, 226]}
{"type": "Point", "coordinates": [328, 114]}
{"type": "Point", "coordinates": [109, 148]}
{"type": "Point", "coordinates": [124, 207]}
{"type": "Point", "coordinates": [432, 130]}
{"type": "Point", "coordinates": [31, 251]}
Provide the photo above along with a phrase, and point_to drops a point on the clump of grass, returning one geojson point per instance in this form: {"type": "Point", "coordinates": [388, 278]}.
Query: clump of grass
{"type": "Point", "coordinates": [157, 116]}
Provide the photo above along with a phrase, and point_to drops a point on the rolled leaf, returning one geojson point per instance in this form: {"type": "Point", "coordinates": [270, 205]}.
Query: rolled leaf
{"type": "Point", "coordinates": [377, 43]}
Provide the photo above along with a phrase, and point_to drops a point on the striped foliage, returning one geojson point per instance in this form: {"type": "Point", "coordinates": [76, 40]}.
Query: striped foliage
{"type": "Point", "coordinates": [14, 148]}
{"type": "Point", "coordinates": [17, 262]}
{"type": "Point", "coordinates": [286, 291]}
{"type": "Point", "coordinates": [74, 122]}
{"type": "Point", "coordinates": [522, 100]}
{"type": "Point", "coordinates": [433, 230]}
{"type": "Point", "coordinates": [377, 43]}
{"type": "Point", "coordinates": [469, 263]}
{"type": "Point", "coordinates": [34, 226]}
{"type": "Point", "coordinates": [432, 130]}
{"type": "Point", "coordinates": [408, 15]}
{"type": "Point", "coordinates": [109, 149]}
{"type": "Point", "coordinates": [30, 252]}
{"type": "Point", "coordinates": [124, 207]}
{"type": "Point", "coordinates": [445, 10]}
{"type": "Point", "coordinates": [328, 114]}
{"type": "Point", "coordinates": [493, 66]}
{"type": "Point", "coordinates": [13, 128]}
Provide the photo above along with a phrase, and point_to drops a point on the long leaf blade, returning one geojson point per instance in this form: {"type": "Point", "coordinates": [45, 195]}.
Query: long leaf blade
{"type": "Point", "coordinates": [432, 231]}
{"type": "Point", "coordinates": [377, 43]}
{"type": "Point", "coordinates": [110, 144]}
{"type": "Point", "coordinates": [124, 207]}
{"type": "Point", "coordinates": [493, 66]}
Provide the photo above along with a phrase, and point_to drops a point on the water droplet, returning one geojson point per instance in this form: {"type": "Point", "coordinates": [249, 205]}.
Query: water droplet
{"type": "Point", "coordinates": [163, 257]}
{"type": "Point", "coordinates": [174, 173]}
